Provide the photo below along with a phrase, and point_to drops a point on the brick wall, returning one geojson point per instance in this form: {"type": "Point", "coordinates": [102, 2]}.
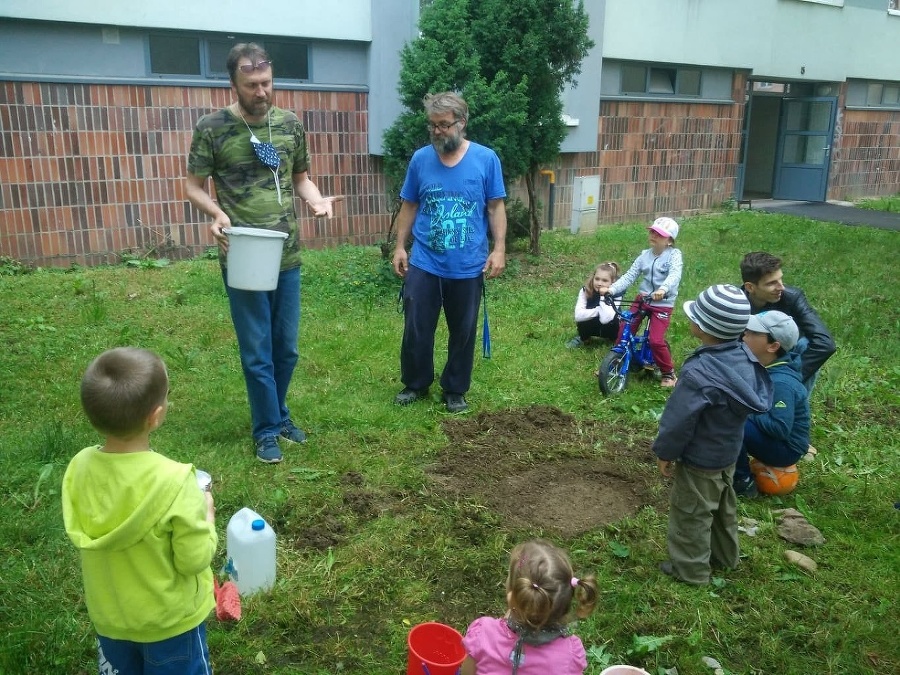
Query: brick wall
{"type": "Point", "coordinates": [866, 157]}
{"type": "Point", "coordinates": [654, 158]}
{"type": "Point", "coordinates": [89, 171]}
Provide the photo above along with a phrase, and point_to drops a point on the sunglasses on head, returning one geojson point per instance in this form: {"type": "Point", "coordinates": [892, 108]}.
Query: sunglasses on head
{"type": "Point", "coordinates": [259, 65]}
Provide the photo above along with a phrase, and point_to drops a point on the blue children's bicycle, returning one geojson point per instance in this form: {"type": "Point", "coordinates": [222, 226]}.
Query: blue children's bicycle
{"type": "Point", "coordinates": [631, 353]}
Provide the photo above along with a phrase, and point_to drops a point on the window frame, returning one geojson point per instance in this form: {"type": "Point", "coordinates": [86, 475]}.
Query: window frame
{"type": "Point", "coordinates": [830, 3]}
{"type": "Point", "coordinates": [204, 41]}
{"type": "Point", "coordinates": [662, 70]}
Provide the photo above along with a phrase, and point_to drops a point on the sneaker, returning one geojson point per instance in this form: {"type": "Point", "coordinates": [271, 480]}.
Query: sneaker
{"type": "Point", "coordinates": [290, 432]}
{"type": "Point", "coordinates": [668, 569]}
{"type": "Point", "coordinates": [456, 403]}
{"type": "Point", "coordinates": [668, 380]}
{"type": "Point", "coordinates": [575, 342]}
{"type": "Point", "coordinates": [746, 488]}
{"type": "Point", "coordinates": [408, 396]}
{"type": "Point", "coordinates": [267, 450]}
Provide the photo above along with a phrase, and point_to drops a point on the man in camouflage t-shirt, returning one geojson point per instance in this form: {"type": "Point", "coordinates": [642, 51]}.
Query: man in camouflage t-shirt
{"type": "Point", "coordinates": [257, 157]}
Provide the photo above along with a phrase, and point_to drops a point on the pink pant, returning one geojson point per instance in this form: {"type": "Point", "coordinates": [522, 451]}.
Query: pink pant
{"type": "Point", "coordinates": [659, 324]}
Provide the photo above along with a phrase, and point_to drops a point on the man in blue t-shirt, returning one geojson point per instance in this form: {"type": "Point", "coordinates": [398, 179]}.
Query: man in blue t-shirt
{"type": "Point", "coordinates": [452, 194]}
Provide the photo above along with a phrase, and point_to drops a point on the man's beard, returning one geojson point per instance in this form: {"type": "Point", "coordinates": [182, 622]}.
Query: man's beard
{"type": "Point", "coordinates": [254, 107]}
{"type": "Point", "coordinates": [447, 144]}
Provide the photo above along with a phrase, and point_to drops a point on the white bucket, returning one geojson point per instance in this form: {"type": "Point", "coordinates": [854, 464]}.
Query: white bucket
{"type": "Point", "coordinates": [251, 552]}
{"type": "Point", "coordinates": [254, 258]}
{"type": "Point", "coordinates": [624, 670]}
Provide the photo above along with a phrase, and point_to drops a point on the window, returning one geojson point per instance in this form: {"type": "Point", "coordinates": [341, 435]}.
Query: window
{"type": "Point", "coordinates": [174, 55]}
{"type": "Point", "coordinates": [183, 54]}
{"type": "Point", "coordinates": [772, 87]}
{"type": "Point", "coordinates": [290, 59]}
{"type": "Point", "coordinates": [834, 3]}
{"type": "Point", "coordinates": [883, 94]}
{"type": "Point", "coordinates": [656, 80]}
{"type": "Point", "coordinates": [689, 82]}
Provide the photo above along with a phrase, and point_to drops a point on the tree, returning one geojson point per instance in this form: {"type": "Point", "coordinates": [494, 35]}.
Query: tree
{"type": "Point", "coordinates": [510, 60]}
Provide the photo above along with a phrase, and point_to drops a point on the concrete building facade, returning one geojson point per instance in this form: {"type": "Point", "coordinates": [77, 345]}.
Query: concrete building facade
{"type": "Point", "coordinates": [681, 105]}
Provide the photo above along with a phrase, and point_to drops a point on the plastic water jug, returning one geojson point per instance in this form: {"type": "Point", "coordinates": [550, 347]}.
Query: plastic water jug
{"type": "Point", "coordinates": [251, 552]}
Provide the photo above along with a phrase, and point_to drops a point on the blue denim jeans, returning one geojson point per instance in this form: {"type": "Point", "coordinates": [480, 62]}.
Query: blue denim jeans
{"type": "Point", "coordinates": [267, 324]}
{"type": "Point", "coordinates": [766, 449]}
{"type": "Point", "coordinates": [185, 654]}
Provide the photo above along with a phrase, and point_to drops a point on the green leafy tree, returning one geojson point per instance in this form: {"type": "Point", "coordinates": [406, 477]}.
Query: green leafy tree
{"type": "Point", "coordinates": [510, 60]}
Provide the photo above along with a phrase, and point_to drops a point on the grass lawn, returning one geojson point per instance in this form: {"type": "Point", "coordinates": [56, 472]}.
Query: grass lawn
{"type": "Point", "coordinates": [891, 203]}
{"type": "Point", "coordinates": [393, 516]}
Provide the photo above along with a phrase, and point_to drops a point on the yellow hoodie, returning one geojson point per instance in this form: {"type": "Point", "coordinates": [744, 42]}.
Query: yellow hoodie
{"type": "Point", "coordinates": [139, 521]}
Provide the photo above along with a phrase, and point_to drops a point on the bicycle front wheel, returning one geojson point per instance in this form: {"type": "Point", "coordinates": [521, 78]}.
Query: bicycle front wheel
{"type": "Point", "coordinates": [613, 373]}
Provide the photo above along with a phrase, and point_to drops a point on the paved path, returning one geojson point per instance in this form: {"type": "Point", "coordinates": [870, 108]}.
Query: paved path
{"type": "Point", "coordinates": [831, 213]}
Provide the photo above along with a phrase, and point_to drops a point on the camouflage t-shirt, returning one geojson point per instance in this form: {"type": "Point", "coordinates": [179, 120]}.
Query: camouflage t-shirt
{"type": "Point", "coordinates": [245, 188]}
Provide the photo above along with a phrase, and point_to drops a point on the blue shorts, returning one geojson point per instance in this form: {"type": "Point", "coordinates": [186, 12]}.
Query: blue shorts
{"type": "Point", "coordinates": [185, 654]}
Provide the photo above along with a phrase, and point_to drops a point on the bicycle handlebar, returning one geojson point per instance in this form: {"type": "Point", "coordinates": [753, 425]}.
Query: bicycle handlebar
{"type": "Point", "coordinates": [644, 308]}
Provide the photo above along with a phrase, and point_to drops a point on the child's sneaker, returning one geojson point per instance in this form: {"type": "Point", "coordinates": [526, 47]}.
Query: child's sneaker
{"type": "Point", "coordinates": [575, 342]}
{"type": "Point", "coordinates": [290, 432]}
{"type": "Point", "coordinates": [746, 488]}
{"type": "Point", "coordinates": [267, 450]}
{"type": "Point", "coordinates": [668, 380]}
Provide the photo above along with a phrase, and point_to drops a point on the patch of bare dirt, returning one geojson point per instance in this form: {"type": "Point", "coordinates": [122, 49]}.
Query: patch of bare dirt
{"type": "Point", "coordinates": [539, 466]}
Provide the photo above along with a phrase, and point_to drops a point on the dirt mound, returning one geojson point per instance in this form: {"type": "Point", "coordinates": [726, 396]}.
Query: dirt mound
{"type": "Point", "coordinates": [539, 466]}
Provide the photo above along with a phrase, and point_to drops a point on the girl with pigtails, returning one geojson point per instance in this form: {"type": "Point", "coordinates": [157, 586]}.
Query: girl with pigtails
{"type": "Point", "coordinates": [542, 595]}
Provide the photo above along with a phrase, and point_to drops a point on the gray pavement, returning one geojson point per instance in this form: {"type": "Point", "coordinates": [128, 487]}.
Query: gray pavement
{"type": "Point", "coordinates": [830, 212]}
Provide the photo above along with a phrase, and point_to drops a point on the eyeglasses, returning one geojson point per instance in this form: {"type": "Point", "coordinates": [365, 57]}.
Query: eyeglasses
{"type": "Point", "coordinates": [259, 65]}
{"type": "Point", "coordinates": [443, 126]}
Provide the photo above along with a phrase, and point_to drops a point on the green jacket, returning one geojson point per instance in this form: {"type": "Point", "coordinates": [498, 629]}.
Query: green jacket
{"type": "Point", "coordinates": [139, 521]}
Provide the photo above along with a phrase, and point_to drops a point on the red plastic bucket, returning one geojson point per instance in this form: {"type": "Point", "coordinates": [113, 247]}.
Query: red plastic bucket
{"type": "Point", "coordinates": [434, 649]}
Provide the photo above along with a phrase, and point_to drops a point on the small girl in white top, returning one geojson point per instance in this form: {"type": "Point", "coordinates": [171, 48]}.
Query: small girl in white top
{"type": "Point", "coordinates": [593, 317]}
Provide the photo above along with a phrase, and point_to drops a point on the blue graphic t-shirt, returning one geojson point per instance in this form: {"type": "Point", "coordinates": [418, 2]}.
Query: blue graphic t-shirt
{"type": "Point", "coordinates": [451, 226]}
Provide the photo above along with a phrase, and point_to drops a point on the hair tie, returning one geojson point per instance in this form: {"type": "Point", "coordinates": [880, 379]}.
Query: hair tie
{"type": "Point", "coordinates": [574, 582]}
{"type": "Point", "coordinates": [535, 586]}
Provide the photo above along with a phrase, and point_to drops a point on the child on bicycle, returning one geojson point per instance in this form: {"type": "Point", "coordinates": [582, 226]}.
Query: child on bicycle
{"type": "Point", "coordinates": [533, 635]}
{"type": "Point", "coordinates": [660, 268]}
{"type": "Point", "coordinates": [593, 317]}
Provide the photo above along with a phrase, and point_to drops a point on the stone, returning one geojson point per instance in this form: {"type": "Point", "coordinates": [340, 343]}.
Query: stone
{"type": "Point", "coordinates": [793, 527]}
{"type": "Point", "coordinates": [804, 562]}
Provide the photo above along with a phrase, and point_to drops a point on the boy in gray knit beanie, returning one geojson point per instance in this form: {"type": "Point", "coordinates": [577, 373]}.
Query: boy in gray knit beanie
{"type": "Point", "coordinates": [700, 434]}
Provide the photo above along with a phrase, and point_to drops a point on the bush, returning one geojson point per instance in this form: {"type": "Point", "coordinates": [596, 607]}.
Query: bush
{"type": "Point", "coordinates": [518, 223]}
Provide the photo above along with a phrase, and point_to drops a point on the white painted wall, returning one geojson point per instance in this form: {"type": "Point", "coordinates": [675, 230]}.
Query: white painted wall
{"type": "Point", "coordinates": [337, 20]}
{"type": "Point", "coordinates": [774, 38]}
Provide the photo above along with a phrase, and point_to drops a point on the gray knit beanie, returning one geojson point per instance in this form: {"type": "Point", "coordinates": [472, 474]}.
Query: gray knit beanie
{"type": "Point", "coordinates": [721, 311]}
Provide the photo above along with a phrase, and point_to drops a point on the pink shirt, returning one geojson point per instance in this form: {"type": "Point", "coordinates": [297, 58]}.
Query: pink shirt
{"type": "Point", "coordinates": [490, 643]}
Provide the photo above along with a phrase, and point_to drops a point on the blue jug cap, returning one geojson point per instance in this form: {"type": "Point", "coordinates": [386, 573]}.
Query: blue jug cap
{"type": "Point", "coordinates": [258, 524]}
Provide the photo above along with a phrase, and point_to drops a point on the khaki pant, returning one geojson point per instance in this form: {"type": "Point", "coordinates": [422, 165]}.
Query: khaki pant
{"type": "Point", "coordinates": [702, 522]}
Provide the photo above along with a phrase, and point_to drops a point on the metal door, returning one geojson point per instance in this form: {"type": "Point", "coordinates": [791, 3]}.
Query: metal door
{"type": "Point", "coordinates": [805, 133]}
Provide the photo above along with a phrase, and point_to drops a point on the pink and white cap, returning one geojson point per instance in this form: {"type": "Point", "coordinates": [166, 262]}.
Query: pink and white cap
{"type": "Point", "coordinates": [665, 227]}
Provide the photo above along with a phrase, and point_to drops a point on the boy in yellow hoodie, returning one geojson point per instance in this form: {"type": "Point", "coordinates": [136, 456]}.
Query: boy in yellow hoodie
{"type": "Point", "coordinates": [144, 528]}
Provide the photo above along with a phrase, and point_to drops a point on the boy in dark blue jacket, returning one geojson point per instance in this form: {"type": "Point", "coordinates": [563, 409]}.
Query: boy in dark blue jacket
{"type": "Point", "coordinates": [778, 437]}
{"type": "Point", "coordinates": [700, 434]}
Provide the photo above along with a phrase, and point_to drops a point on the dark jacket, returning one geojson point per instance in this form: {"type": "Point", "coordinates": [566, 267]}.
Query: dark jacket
{"type": "Point", "coordinates": [703, 422]}
{"type": "Point", "coordinates": [821, 345]}
{"type": "Point", "coordinates": [786, 423]}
